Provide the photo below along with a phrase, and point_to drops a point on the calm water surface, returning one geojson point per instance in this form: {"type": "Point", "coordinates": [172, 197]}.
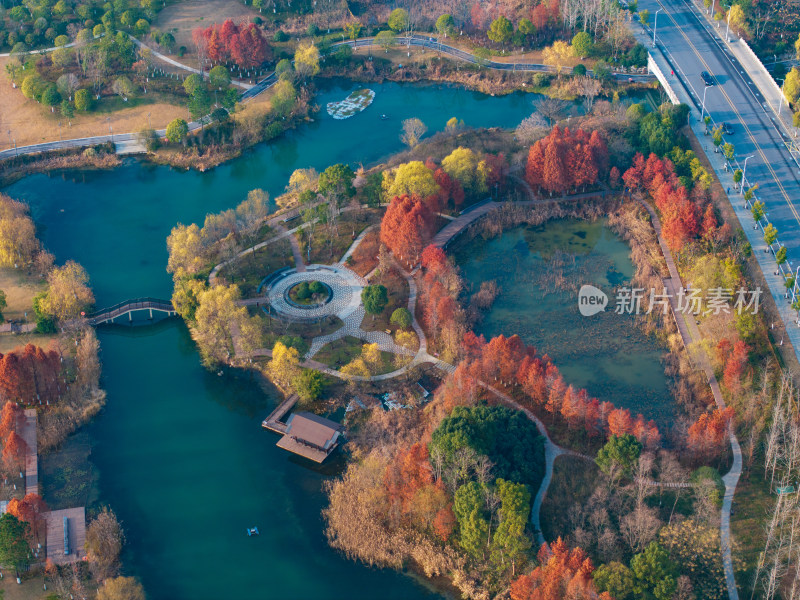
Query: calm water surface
{"type": "Point", "coordinates": [539, 270]}
{"type": "Point", "coordinates": [181, 454]}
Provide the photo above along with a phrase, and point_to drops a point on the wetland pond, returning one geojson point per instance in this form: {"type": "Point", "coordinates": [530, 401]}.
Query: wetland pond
{"type": "Point", "coordinates": [539, 270]}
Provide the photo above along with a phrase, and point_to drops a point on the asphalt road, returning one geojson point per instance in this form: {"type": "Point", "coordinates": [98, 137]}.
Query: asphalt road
{"type": "Point", "coordinates": [692, 47]}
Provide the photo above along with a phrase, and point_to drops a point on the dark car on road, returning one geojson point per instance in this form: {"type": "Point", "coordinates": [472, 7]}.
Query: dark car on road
{"type": "Point", "coordinates": [727, 128]}
{"type": "Point", "coordinates": [707, 78]}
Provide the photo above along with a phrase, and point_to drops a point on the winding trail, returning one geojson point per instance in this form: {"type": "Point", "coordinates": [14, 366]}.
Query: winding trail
{"type": "Point", "coordinates": [689, 334]}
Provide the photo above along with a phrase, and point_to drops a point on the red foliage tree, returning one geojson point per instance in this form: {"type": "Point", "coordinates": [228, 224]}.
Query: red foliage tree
{"type": "Point", "coordinates": [735, 366]}
{"type": "Point", "coordinates": [706, 436]}
{"type": "Point", "coordinates": [444, 522]}
{"type": "Point", "coordinates": [245, 46]}
{"type": "Point", "coordinates": [407, 474]}
{"type": "Point", "coordinates": [562, 573]}
{"type": "Point", "coordinates": [565, 160]}
{"type": "Point", "coordinates": [8, 419]}
{"type": "Point", "coordinates": [29, 509]}
{"type": "Point", "coordinates": [14, 451]}
{"type": "Point", "coordinates": [406, 228]}
{"type": "Point", "coordinates": [634, 176]}
{"type": "Point", "coordinates": [620, 422]}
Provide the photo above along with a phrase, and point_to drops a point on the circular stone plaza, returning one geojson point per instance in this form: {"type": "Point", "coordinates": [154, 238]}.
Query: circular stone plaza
{"type": "Point", "coordinates": [345, 289]}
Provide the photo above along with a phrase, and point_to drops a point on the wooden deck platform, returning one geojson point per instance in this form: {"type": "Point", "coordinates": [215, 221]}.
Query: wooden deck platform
{"type": "Point", "coordinates": [27, 431]}
{"type": "Point", "coordinates": [274, 421]}
{"type": "Point", "coordinates": [290, 444]}
{"type": "Point", "coordinates": [55, 535]}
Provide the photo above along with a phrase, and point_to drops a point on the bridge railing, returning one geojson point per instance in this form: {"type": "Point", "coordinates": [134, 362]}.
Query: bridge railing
{"type": "Point", "coordinates": [143, 302]}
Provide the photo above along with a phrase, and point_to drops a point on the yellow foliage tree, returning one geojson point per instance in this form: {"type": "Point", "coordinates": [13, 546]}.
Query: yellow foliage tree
{"type": "Point", "coordinates": [356, 368]}
{"type": "Point", "coordinates": [285, 364]}
{"type": "Point", "coordinates": [791, 85]}
{"type": "Point", "coordinates": [68, 292]}
{"type": "Point", "coordinates": [216, 318]}
{"type": "Point", "coordinates": [737, 20]}
{"type": "Point", "coordinates": [18, 243]}
{"type": "Point", "coordinates": [558, 54]}
{"type": "Point", "coordinates": [406, 339]}
{"type": "Point", "coordinates": [371, 354]}
{"type": "Point", "coordinates": [186, 250]}
{"type": "Point", "coordinates": [409, 178]}
{"type": "Point", "coordinates": [306, 60]}
{"type": "Point", "coordinates": [463, 165]}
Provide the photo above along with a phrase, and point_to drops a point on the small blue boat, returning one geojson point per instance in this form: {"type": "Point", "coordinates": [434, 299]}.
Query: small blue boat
{"type": "Point", "coordinates": [252, 531]}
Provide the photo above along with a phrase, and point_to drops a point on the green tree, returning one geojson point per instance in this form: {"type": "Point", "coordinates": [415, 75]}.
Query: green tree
{"type": "Point", "coordinates": [123, 87]}
{"type": "Point", "coordinates": [83, 100]}
{"type": "Point", "coordinates": [14, 549]}
{"type": "Point", "coordinates": [473, 525]}
{"type": "Point", "coordinates": [616, 579]}
{"type": "Point", "coordinates": [66, 109]}
{"type": "Point", "coordinates": [3, 304]}
{"type": "Point", "coordinates": [402, 318]}
{"type": "Point", "coordinates": [284, 69]}
{"type": "Point", "coordinates": [336, 182]}
{"type": "Point", "coordinates": [398, 20]}
{"type": "Point", "coordinates": [192, 83]}
{"type": "Point", "coordinates": [386, 40]}
{"type": "Point", "coordinates": [32, 86]}
{"type": "Point", "coordinates": [582, 44]}
{"type": "Point", "coordinates": [445, 25]}
{"type": "Point", "coordinates": [644, 16]}
{"type": "Point", "coordinates": [770, 234]}
{"type": "Point", "coordinates": [353, 30]}
{"type": "Point", "coordinates": [199, 103]}
{"type": "Point", "coordinates": [283, 98]}
{"type": "Point", "coordinates": [619, 456]}
{"type": "Point", "coordinates": [308, 384]}
{"type": "Point", "coordinates": [757, 210]}
{"type": "Point", "coordinates": [177, 130]}
{"type": "Point", "coordinates": [526, 27]}
{"type": "Point", "coordinates": [728, 150]}
{"type": "Point", "coordinates": [219, 77]}
{"type": "Point", "coordinates": [510, 542]}
{"type": "Point", "coordinates": [654, 574]}
{"type": "Point", "coordinates": [737, 176]}
{"type": "Point", "coordinates": [374, 298]}
{"type": "Point", "coordinates": [750, 192]}
{"type": "Point", "coordinates": [142, 26]}
{"type": "Point", "coordinates": [500, 31]}
{"type": "Point", "coordinates": [51, 97]}
{"type": "Point", "coordinates": [780, 258]}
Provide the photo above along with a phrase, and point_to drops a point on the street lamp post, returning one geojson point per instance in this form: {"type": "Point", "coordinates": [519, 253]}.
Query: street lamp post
{"type": "Point", "coordinates": [744, 172]}
{"type": "Point", "coordinates": [655, 26]}
{"type": "Point", "coordinates": [703, 111]}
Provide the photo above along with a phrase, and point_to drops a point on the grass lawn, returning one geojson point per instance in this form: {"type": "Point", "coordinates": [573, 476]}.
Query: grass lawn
{"type": "Point", "coordinates": [329, 244]}
{"type": "Point", "coordinates": [276, 328]}
{"type": "Point", "coordinates": [339, 352]}
{"type": "Point", "coordinates": [397, 288]}
{"type": "Point", "coordinates": [32, 123]}
{"type": "Point", "coordinates": [574, 480]}
{"type": "Point", "coordinates": [250, 270]}
{"type": "Point", "coordinates": [752, 506]}
{"type": "Point", "coordinates": [31, 588]}
{"type": "Point", "coordinates": [20, 288]}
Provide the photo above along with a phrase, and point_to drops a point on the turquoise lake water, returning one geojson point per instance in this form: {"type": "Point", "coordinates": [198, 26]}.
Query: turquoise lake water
{"type": "Point", "coordinates": [181, 454]}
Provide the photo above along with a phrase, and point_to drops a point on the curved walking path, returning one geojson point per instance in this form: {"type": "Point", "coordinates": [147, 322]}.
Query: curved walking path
{"type": "Point", "coordinates": [689, 334]}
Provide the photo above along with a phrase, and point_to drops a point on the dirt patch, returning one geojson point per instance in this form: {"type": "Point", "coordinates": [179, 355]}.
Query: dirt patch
{"type": "Point", "coordinates": [32, 123]}
{"type": "Point", "coordinates": [181, 18]}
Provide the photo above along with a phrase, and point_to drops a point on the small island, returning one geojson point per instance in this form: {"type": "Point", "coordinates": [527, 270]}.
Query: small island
{"type": "Point", "coordinates": [309, 294]}
{"type": "Point", "coordinates": [352, 105]}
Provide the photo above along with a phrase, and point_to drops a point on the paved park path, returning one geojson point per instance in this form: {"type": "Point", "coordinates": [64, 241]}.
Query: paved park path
{"type": "Point", "coordinates": [690, 334]}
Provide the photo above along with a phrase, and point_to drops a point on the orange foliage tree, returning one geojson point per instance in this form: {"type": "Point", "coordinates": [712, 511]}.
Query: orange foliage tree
{"type": "Point", "coordinates": [706, 437]}
{"type": "Point", "coordinates": [562, 573]}
{"type": "Point", "coordinates": [565, 161]}
{"type": "Point", "coordinates": [406, 228]}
